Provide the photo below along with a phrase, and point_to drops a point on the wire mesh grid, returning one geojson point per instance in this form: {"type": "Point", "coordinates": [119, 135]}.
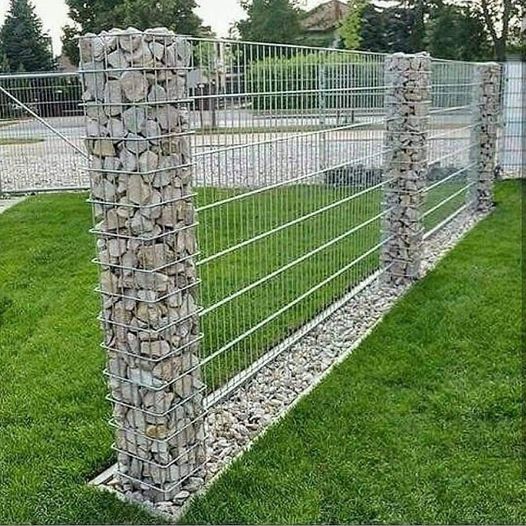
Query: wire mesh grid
{"type": "Point", "coordinates": [513, 132]}
{"type": "Point", "coordinates": [288, 149]}
{"type": "Point", "coordinates": [41, 129]}
{"type": "Point", "coordinates": [452, 147]}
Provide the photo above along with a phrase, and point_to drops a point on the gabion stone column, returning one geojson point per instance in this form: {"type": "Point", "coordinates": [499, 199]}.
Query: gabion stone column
{"type": "Point", "coordinates": [405, 169]}
{"type": "Point", "coordinates": [141, 191]}
{"type": "Point", "coordinates": [484, 134]}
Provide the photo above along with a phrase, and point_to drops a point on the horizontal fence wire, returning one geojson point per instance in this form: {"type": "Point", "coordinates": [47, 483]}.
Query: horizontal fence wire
{"type": "Point", "coordinates": [41, 133]}
{"type": "Point", "coordinates": [288, 152]}
{"type": "Point", "coordinates": [452, 140]}
{"type": "Point", "coordinates": [512, 160]}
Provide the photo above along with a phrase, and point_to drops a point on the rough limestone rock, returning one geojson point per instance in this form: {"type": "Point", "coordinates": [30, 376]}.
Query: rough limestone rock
{"type": "Point", "coordinates": [405, 165]}
{"type": "Point", "coordinates": [145, 226]}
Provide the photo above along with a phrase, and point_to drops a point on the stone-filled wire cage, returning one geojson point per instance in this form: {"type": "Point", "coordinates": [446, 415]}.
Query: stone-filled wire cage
{"type": "Point", "coordinates": [141, 191]}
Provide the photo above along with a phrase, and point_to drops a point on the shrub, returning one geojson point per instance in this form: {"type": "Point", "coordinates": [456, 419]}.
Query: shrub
{"type": "Point", "coordinates": [315, 80]}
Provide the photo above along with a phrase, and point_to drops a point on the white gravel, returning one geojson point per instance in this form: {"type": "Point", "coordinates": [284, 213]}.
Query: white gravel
{"type": "Point", "coordinates": [230, 160]}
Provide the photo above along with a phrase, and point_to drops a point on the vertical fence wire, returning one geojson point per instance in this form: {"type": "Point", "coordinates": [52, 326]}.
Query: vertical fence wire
{"type": "Point", "coordinates": [41, 131]}
{"type": "Point", "coordinates": [452, 147]}
{"type": "Point", "coordinates": [288, 148]}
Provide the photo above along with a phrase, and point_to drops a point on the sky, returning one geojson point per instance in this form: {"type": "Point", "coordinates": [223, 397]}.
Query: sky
{"type": "Point", "coordinates": [216, 13]}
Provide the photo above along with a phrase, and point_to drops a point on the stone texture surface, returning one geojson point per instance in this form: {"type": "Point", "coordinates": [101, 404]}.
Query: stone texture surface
{"type": "Point", "coordinates": [405, 164]}
{"type": "Point", "coordinates": [141, 190]}
{"type": "Point", "coordinates": [487, 108]}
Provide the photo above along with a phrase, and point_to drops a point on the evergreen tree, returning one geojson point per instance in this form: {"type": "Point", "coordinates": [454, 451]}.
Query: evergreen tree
{"type": "Point", "coordinates": [398, 26]}
{"type": "Point", "coordinates": [372, 30]}
{"type": "Point", "coordinates": [270, 21]}
{"type": "Point", "coordinates": [22, 40]}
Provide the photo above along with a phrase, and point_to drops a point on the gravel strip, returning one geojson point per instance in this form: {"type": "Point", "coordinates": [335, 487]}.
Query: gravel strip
{"type": "Point", "coordinates": [236, 422]}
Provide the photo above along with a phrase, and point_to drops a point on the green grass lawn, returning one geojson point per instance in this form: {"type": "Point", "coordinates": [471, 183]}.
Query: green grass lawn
{"type": "Point", "coordinates": [422, 424]}
{"type": "Point", "coordinates": [53, 430]}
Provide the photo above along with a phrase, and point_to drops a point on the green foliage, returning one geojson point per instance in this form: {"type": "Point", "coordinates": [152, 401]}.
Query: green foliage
{"type": "Point", "coordinates": [23, 44]}
{"type": "Point", "coordinates": [399, 24]}
{"type": "Point", "coordinates": [177, 15]}
{"type": "Point", "coordinates": [350, 28]}
{"type": "Point", "coordinates": [313, 81]}
{"type": "Point", "coordinates": [372, 30]}
{"type": "Point", "coordinates": [276, 21]}
{"type": "Point", "coordinates": [502, 19]}
{"type": "Point", "coordinates": [458, 33]}
{"type": "Point", "coordinates": [386, 30]}
{"type": "Point", "coordinates": [89, 17]}
{"type": "Point", "coordinates": [98, 15]}
{"type": "Point", "coordinates": [445, 30]}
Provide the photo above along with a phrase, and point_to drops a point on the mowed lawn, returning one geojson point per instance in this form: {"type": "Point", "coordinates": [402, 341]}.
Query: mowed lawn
{"type": "Point", "coordinates": [53, 416]}
{"type": "Point", "coordinates": [421, 424]}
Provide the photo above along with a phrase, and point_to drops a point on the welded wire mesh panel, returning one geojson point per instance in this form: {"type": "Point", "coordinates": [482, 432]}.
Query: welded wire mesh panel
{"type": "Point", "coordinates": [288, 148]}
{"type": "Point", "coordinates": [513, 134]}
{"type": "Point", "coordinates": [41, 129]}
{"type": "Point", "coordinates": [452, 144]}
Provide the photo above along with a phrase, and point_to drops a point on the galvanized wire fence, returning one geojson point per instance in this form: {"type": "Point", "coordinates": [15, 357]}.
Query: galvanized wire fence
{"type": "Point", "coordinates": [41, 129]}
{"type": "Point", "coordinates": [512, 156]}
{"type": "Point", "coordinates": [288, 153]}
{"type": "Point", "coordinates": [452, 141]}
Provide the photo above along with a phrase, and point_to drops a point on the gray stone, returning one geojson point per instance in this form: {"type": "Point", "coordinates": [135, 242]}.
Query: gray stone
{"type": "Point", "coordinates": [139, 192]}
{"type": "Point", "coordinates": [134, 85]}
{"type": "Point", "coordinates": [134, 119]}
{"type": "Point", "coordinates": [113, 98]}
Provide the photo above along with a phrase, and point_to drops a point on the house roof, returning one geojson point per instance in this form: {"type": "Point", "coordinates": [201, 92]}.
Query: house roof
{"type": "Point", "coordinates": [325, 17]}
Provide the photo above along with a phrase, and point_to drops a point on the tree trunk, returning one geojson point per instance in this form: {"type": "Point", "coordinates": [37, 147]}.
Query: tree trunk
{"type": "Point", "coordinates": [500, 50]}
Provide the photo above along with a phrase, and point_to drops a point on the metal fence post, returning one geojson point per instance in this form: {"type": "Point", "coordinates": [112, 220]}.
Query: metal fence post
{"type": "Point", "coordinates": [141, 192]}
{"type": "Point", "coordinates": [487, 107]}
{"type": "Point", "coordinates": [405, 165]}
